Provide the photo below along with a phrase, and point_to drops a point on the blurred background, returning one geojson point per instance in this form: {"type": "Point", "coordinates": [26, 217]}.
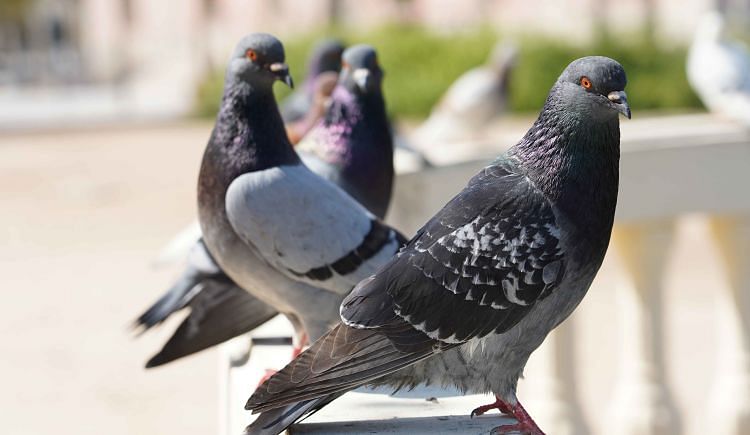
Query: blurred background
{"type": "Point", "coordinates": [106, 105]}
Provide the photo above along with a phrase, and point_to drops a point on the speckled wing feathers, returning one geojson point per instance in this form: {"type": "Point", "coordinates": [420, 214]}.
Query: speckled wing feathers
{"type": "Point", "coordinates": [469, 272]}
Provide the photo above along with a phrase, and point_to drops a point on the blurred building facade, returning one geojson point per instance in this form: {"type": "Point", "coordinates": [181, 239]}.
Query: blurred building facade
{"type": "Point", "coordinates": [155, 52]}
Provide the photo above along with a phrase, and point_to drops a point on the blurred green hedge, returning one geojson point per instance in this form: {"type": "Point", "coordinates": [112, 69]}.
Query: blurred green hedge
{"type": "Point", "coordinates": [420, 65]}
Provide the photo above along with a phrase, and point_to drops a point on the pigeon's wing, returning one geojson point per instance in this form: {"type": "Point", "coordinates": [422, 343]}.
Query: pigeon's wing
{"type": "Point", "coordinates": [478, 266]}
{"type": "Point", "coordinates": [308, 228]}
{"type": "Point", "coordinates": [219, 311]}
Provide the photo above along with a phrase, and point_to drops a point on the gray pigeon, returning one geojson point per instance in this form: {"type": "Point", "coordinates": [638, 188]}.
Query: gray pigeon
{"type": "Point", "coordinates": [325, 57]}
{"type": "Point", "coordinates": [292, 239]}
{"type": "Point", "coordinates": [351, 147]}
{"type": "Point", "coordinates": [488, 277]}
{"type": "Point", "coordinates": [476, 98]}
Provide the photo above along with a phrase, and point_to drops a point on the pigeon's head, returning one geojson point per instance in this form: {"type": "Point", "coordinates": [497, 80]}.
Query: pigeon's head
{"type": "Point", "coordinates": [594, 87]}
{"type": "Point", "coordinates": [326, 56]}
{"type": "Point", "coordinates": [258, 59]}
{"type": "Point", "coordinates": [360, 71]}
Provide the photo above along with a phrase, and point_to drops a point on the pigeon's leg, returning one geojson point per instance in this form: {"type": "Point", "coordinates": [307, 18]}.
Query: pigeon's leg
{"type": "Point", "coordinates": [300, 345]}
{"type": "Point", "coordinates": [525, 423]}
{"type": "Point", "coordinates": [499, 405]}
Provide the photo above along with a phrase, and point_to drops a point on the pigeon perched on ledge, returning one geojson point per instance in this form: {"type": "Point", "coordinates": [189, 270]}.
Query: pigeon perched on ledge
{"type": "Point", "coordinates": [294, 240]}
{"type": "Point", "coordinates": [351, 147]}
{"type": "Point", "coordinates": [483, 282]}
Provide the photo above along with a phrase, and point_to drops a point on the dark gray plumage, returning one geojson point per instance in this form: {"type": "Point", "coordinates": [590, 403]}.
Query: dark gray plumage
{"type": "Point", "coordinates": [484, 281]}
{"type": "Point", "coordinates": [352, 147]}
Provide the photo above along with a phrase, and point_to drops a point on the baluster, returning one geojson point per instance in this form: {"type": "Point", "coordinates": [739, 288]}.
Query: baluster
{"type": "Point", "coordinates": [642, 404]}
{"type": "Point", "coordinates": [553, 398]}
{"type": "Point", "coordinates": [729, 400]}
{"type": "Point", "coordinates": [235, 384]}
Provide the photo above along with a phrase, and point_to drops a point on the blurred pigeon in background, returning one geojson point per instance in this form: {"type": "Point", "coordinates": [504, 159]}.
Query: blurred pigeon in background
{"type": "Point", "coordinates": [488, 277]}
{"type": "Point", "coordinates": [351, 147]}
{"type": "Point", "coordinates": [325, 57]}
{"type": "Point", "coordinates": [718, 69]}
{"type": "Point", "coordinates": [475, 99]}
{"type": "Point", "coordinates": [324, 85]}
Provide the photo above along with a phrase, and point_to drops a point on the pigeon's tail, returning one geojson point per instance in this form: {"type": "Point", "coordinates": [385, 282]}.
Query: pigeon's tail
{"type": "Point", "coordinates": [219, 311]}
{"type": "Point", "coordinates": [175, 299]}
{"type": "Point", "coordinates": [275, 421]}
{"type": "Point", "coordinates": [342, 360]}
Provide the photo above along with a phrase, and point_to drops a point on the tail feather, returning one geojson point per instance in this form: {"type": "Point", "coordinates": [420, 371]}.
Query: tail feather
{"type": "Point", "coordinates": [175, 299]}
{"type": "Point", "coordinates": [277, 420]}
{"type": "Point", "coordinates": [219, 312]}
{"type": "Point", "coordinates": [324, 369]}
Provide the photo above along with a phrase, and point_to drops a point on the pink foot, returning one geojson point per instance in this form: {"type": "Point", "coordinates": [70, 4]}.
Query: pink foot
{"type": "Point", "coordinates": [299, 347]}
{"type": "Point", "coordinates": [499, 405]}
{"type": "Point", "coordinates": [525, 423]}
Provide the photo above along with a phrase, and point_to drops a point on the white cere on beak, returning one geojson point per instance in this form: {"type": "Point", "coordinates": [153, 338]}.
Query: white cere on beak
{"type": "Point", "coordinates": [361, 76]}
{"type": "Point", "coordinates": [276, 67]}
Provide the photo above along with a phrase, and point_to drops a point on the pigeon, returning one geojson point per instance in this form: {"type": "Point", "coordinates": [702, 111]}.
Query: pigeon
{"type": "Point", "coordinates": [483, 282]}
{"type": "Point", "coordinates": [354, 140]}
{"type": "Point", "coordinates": [719, 70]}
{"type": "Point", "coordinates": [324, 85]}
{"type": "Point", "coordinates": [352, 145]}
{"type": "Point", "coordinates": [292, 239]}
{"type": "Point", "coordinates": [325, 57]}
{"type": "Point", "coordinates": [475, 99]}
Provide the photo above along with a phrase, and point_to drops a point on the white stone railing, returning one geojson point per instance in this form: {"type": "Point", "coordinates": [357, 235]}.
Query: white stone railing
{"type": "Point", "coordinates": [670, 166]}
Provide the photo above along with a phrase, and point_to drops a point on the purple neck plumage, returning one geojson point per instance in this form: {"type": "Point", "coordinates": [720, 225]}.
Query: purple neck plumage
{"type": "Point", "coordinates": [249, 134]}
{"type": "Point", "coordinates": [574, 161]}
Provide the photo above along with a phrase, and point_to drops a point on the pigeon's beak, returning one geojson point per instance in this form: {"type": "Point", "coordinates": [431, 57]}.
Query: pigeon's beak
{"type": "Point", "coordinates": [281, 71]}
{"type": "Point", "coordinates": [361, 77]}
{"type": "Point", "coordinates": [619, 100]}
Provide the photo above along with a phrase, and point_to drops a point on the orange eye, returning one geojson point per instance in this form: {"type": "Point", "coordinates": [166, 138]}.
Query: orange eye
{"type": "Point", "coordinates": [345, 64]}
{"type": "Point", "coordinates": [585, 82]}
{"type": "Point", "coordinates": [251, 54]}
